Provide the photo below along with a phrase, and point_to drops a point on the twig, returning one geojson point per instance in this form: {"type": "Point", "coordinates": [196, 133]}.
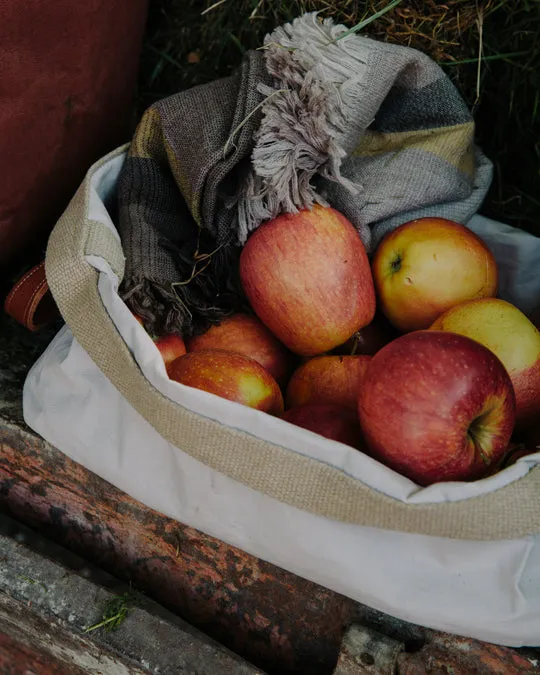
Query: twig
{"type": "Point", "coordinates": [492, 57]}
{"type": "Point", "coordinates": [229, 142]}
{"type": "Point", "coordinates": [194, 273]}
{"type": "Point", "coordinates": [186, 308]}
{"type": "Point", "coordinates": [253, 14]}
{"type": "Point", "coordinates": [480, 24]}
{"type": "Point", "coordinates": [366, 22]}
{"type": "Point", "coordinates": [209, 9]}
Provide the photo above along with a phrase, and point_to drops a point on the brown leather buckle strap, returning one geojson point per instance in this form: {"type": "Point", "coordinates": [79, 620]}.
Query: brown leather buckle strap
{"type": "Point", "coordinates": [30, 301]}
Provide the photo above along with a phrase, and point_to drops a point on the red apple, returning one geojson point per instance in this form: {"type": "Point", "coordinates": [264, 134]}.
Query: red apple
{"type": "Point", "coordinates": [307, 277]}
{"type": "Point", "coordinates": [425, 266]}
{"type": "Point", "coordinates": [531, 436]}
{"type": "Point", "coordinates": [229, 375]}
{"type": "Point", "coordinates": [515, 451]}
{"type": "Point", "coordinates": [327, 379]}
{"type": "Point", "coordinates": [509, 334]}
{"type": "Point", "coordinates": [170, 346]}
{"type": "Point", "coordinates": [329, 420]}
{"type": "Point", "coordinates": [246, 335]}
{"type": "Point", "coordinates": [525, 441]}
{"type": "Point", "coordinates": [437, 406]}
{"type": "Point", "coordinates": [369, 339]}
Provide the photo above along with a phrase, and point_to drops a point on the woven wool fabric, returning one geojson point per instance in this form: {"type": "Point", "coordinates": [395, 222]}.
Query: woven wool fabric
{"type": "Point", "coordinates": [177, 233]}
{"type": "Point", "coordinates": [321, 115]}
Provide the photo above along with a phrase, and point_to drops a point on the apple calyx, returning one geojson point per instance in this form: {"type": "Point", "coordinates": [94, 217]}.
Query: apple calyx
{"type": "Point", "coordinates": [395, 263]}
{"type": "Point", "coordinates": [478, 434]}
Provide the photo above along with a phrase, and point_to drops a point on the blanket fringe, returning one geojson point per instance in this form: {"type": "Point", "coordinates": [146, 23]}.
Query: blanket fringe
{"type": "Point", "coordinates": [304, 127]}
{"type": "Point", "coordinates": [187, 309]}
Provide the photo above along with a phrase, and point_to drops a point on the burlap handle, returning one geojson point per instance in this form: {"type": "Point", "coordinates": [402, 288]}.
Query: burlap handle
{"type": "Point", "coordinates": [301, 482]}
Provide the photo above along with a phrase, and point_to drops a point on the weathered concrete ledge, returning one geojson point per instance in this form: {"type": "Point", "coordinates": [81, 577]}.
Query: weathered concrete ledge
{"type": "Point", "coordinates": [49, 598]}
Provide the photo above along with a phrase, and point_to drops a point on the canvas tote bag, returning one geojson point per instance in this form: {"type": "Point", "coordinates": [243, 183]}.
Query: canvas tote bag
{"type": "Point", "coordinates": [458, 557]}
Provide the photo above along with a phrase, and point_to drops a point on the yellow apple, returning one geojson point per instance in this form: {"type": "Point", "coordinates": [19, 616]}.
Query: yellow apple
{"type": "Point", "coordinates": [428, 265]}
{"type": "Point", "coordinates": [509, 334]}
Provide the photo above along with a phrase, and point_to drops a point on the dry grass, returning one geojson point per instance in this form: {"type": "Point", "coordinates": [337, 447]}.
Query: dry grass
{"type": "Point", "coordinates": [490, 49]}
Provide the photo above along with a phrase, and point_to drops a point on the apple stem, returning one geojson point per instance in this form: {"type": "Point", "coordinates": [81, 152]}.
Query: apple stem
{"type": "Point", "coordinates": [355, 337]}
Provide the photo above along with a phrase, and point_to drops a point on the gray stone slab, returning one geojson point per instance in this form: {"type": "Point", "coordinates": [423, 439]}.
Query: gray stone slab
{"type": "Point", "coordinates": [67, 596]}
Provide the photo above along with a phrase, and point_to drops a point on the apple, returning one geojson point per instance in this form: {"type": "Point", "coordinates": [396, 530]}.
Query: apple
{"type": "Point", "coordinates": [526, 438]}
{"type": "Point", "coordinates": [532, 436]}
{"type": "Point", "coordinates": [428, 265]}
{"type": "Point", "coordinates": [515, 451]}
{"type": "Point", "coordinates": [232, 376]}
{"type": "Point", "coordinates": [170, 346]}
{"type": "Point", "coordinates": [369, 339]}
{"type": "Point", "coordinates": [508, 333]}
{"type": "Point", "coordinates": [437, 406]}
{"type": "Point", "coordinates": [329, 420]}
{"type": "Point", "coordinates": [308, 279]}
{"type": "Point", "coordinates": [327, 379]}
{"type": "Point", "coordinates": [245, 334]}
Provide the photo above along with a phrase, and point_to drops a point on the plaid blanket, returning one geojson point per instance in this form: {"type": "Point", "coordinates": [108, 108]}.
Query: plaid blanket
{"type": "Point", "coordinates": [320, 115]}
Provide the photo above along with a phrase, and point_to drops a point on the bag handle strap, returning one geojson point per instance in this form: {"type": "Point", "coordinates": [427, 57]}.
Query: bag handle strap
{"type": "Point", "coordinates": [30, 301]}
{"type": "Point", "coordinates": [305, 483]}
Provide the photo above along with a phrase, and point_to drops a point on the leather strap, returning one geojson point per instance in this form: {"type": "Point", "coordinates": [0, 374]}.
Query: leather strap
{"type": "Point", "coordinates": [30, 301]}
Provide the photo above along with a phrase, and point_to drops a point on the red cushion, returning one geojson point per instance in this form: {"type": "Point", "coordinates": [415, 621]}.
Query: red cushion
{"type": "Point", "coordinates": [67, 88]}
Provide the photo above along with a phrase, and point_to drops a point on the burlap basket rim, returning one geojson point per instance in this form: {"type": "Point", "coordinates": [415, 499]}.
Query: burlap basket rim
{"type": "Point", "coordinates": [300, 481]}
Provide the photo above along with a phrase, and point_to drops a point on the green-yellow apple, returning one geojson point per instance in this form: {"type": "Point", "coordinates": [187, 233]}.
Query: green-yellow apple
{"type": "Point", "coordinates": [246, 334]}
{"type": "Point", "coordinates": [307, 277]}
{"type": "Point", "coordinates": [327, 379]}
{"type": "Point", "coordinates": [327, 419]}
{"type": "Point", "coordinates": [503, 328]}
{"type": "Point", "coordinates": [428, 265]}
{"type": "Point", "coordinates": [232, 376]}
{"type": "Point", "coordinates": [170, 346]}
{"type": "Point", "coordinates": [437, 406]}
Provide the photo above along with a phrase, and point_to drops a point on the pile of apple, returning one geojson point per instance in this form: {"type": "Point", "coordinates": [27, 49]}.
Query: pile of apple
{"type": "Point", "coordinates": [409, 358]}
